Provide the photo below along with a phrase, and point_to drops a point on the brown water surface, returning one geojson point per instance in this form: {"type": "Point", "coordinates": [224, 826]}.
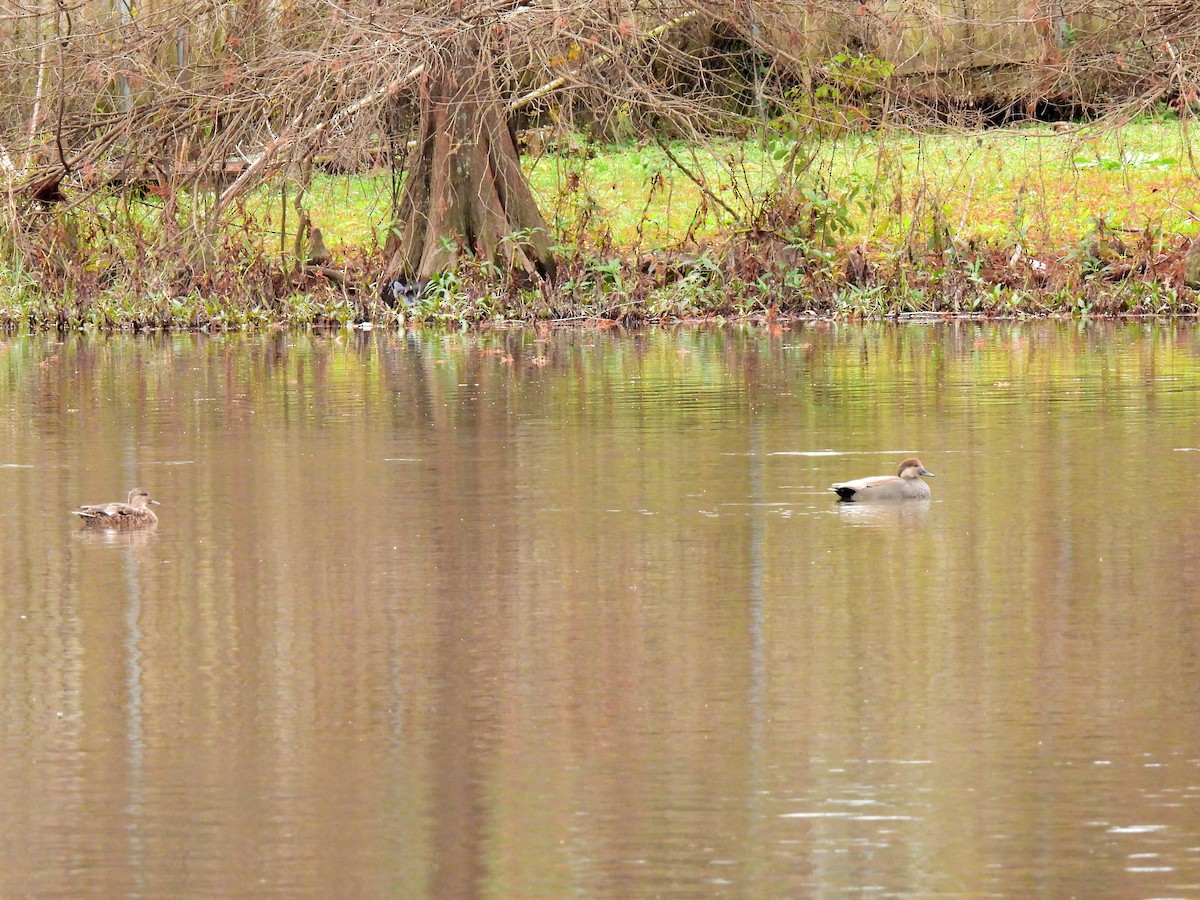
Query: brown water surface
{"type": "Point", "coordinates": [504, 615]}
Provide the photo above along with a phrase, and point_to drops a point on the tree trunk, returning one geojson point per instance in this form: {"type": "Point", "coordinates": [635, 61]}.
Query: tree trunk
{"type": "Point", "coordinates": [465, 194]}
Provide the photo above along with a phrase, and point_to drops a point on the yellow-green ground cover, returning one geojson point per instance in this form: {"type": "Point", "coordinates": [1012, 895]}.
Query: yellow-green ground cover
{"type": "Point", "coordinates": [999, 221]}
{"type": "Point", "coordinates": [1033, 184]}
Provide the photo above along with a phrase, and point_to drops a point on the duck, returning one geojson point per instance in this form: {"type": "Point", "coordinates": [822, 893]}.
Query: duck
{"type": "Point", "coordinates": [906, 484]}
{"type": "Point", "coordinates": [134, 513]}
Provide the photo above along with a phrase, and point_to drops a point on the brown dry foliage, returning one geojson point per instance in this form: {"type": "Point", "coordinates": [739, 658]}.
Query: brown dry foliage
{"type": "Point", "coordinates": [172, 96]}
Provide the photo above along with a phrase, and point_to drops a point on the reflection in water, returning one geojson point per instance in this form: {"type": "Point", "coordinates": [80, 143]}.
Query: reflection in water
{"type": "Point", "coordinates": [532, 614]}
{"type": "Point", "coordinates": [133, 713]}
{"type": "Point", "coordinates": [886, 514]}
{"type": "Point", "coordinates": [113, 537]}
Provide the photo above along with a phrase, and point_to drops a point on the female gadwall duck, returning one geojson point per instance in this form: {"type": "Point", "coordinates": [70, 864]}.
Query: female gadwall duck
{"type": "Point", "coordinates": [906, 484]}
{"type": "Point", "coordinates": [134, 514]}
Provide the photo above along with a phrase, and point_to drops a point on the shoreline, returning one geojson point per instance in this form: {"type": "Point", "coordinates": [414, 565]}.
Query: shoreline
{"type": "Point", "coordinates": [904, 295]}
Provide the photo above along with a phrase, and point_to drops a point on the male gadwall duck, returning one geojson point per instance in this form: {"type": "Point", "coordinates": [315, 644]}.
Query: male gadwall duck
{"type": "Point", "coordinates": [134, 514]}
{"type": "Point", "coordinates": [906, 484]}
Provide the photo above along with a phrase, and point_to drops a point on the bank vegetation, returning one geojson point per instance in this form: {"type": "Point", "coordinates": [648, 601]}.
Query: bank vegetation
{"type": "Point", "coordinates": [194, 163]}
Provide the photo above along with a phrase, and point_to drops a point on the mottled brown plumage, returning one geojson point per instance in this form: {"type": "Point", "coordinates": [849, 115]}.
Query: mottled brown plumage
{"type": "Point", "coordinates": [134, 514]}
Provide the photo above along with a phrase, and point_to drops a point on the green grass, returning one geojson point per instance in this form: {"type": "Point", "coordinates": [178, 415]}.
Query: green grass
{"type": "Point", "coordinates": [1023, 184]}
{"type": "Point", "coordinates": [902, 197]}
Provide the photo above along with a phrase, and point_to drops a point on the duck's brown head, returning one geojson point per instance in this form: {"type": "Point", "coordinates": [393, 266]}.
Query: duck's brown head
{"type": "Point", "coordinates": [139, 498]}
{"type": "Point", "coordinates": [912, 468]}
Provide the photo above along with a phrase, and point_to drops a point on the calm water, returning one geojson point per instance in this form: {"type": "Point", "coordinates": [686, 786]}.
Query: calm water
{"type": "Point", "coordinates": [512, 615]}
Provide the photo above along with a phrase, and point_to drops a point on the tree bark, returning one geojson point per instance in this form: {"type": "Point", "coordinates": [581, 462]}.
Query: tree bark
{"type": "Point", "coordinates": [466, 197]}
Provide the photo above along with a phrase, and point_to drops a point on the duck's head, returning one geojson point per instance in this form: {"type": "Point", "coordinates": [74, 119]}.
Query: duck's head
{"type": "Point", "coordinates": [912, 468]}
{"type": "Point", "coordinates": [139, 497]}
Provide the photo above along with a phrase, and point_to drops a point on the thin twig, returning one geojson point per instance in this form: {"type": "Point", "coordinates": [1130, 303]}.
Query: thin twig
{"type": "Point", "coordinates": [696, 180]}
